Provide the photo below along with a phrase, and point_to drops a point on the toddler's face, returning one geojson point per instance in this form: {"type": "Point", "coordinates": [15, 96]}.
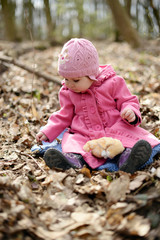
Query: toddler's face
{"type": "Point", "coordinates": [78, 84]}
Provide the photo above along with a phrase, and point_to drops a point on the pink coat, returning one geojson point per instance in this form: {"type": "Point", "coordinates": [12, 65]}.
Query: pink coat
{"type": "Point", "coordinates": [96, 113]}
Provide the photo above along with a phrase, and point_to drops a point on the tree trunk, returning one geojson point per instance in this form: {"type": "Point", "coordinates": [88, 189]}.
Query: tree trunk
{"type": "Point", "coordinates": [80, 12]}
{"type": "Point", "coordinates": [148, 17]}
{"type": "Point", "coordinates": [137, 15]}
{"type": "Point", "coordinates": [8, 11]}
{"type": "Point", "coordinates": [27, 18]}
{"type": "Point", "coordinates": [156, 13]}
{"type": "Point", "coordinates": [50, 25]}
{"type": "Point", "coordinates": [123, 23]}
{"type": "Point", "coordinates": [128, 4]}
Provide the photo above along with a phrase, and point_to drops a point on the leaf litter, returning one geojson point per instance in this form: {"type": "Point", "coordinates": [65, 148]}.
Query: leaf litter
{"type": "Point", "coordinates": [39, 203]}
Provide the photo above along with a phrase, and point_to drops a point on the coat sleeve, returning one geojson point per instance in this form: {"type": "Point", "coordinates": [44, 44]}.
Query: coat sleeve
{"type": "Point", "coordinates": [124, 98]}
{"type": "Point", "coordinates": [61, 119]}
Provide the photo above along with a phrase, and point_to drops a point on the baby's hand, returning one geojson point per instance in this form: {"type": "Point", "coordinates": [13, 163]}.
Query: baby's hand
{"type": "Point", "coordinates": [128, 114]}
{"type": "Point", "coordinates": [41, 137]}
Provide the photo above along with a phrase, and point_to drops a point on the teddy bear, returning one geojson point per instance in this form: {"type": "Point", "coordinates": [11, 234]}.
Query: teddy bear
{"type": "Point", "coordinates": [105, 147]}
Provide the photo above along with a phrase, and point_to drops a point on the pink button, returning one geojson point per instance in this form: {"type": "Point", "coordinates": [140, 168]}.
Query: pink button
{"type": "Point", "coordinates": [97, 127]}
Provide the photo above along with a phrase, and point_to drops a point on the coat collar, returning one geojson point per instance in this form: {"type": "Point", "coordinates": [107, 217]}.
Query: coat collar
{"type": "Point", "coordinates": [105, 72]}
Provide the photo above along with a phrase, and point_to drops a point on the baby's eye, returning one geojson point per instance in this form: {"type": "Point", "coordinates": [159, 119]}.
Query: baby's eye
{"type": "Point", "coordinates": [76, 81]}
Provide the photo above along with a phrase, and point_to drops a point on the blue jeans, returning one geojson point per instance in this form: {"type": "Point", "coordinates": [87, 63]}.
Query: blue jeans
{"type": "Point", "coordinates": [111, 164]}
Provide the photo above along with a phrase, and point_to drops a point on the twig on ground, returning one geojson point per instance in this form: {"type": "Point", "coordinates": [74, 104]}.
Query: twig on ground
{"type": "Point", "coordinates": [10, 60]}
{"type": "Point", "coordinates": [28, 155]}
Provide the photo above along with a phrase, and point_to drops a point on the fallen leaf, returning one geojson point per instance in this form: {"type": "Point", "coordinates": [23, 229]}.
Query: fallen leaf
{"type": "Point", "coordinates": [137, 181]}
{"type": "Point", "coordinates": [25, 194]}
{"type": "Point", "coordinates": [86, 172]}
{"type": "Point", "coordinates": [89, 188]}
{"type": "Point", "coordinates": [51, 235]}
{"type": "Point", "coordinates": [48, 217]}
{"type": "Point", "coordinates": [134, 225]}
{"type": "Point", "coordinates": [25, 223]}
{"type": "Point", "coordinates": [158, 172]}
{"type": "Point", "coordinates": [85, 218]}
{"type": "Point", "coordinates": [117, 189]}
{"type": "Point", "coordinates": [35, 113]}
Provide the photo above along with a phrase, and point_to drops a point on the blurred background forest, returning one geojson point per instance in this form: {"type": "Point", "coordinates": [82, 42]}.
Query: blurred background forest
{"type": "Point", "coordinates": [58, 20]}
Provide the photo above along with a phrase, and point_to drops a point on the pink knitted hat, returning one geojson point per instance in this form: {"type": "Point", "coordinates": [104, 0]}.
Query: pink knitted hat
{"type": "Point", "coordinates": [78, 58]}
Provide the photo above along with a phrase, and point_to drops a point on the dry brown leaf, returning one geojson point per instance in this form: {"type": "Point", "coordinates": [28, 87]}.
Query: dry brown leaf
{"type": "Point", "coordinates": [10, 157]}
{"type": "Point", "coordinates": [80, 179]}
{"type": "Point", "coordinates": [48, 217]}
{"type": "Point", "coordinates": [18, 166]}
{"type": "Point", "coordinates": [48, 180]}
{"type": "Point", "coordinates": [55, 180]}
{"type": "Point", "coordinates": [85, 218]}
{"type": "Point", "coordinates": [35, 113]}
{"type": "Point", "coordinates": [86, 172]}
{"type": "Point", "coordinates": [123, 207]}
{"type": "Point", "coordinates": [118, 188]}
{"type": "Point", "coordinates": [14, 131]}
{"type": "Point", "coordinates": [134, 225]}
{"type": "Point", "coordinates": [25, 223]}
{"type": "Point", "coordinates": [3, 217]}
{"type": "Point", "coordinates": [137, 181]}
{"type": "Point", "coordinates": [158, 172]}
{"type": "Point", "coordinates": [51, 235]}
{"type": "Point", "coordinates": [26, 140]}
{"type": "Point", "coordinates": [89, 188]}
{"type": "Point", "coordinates": [25, 194]}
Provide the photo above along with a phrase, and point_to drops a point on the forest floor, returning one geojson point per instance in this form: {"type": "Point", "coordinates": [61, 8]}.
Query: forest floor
{"type": "Point", "coordinates": [39, 203]}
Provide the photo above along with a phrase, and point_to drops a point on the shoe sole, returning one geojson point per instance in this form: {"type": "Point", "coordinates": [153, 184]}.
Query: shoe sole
{"type": "Point", "coordinates": [139, 155]}
{"type": "Point", "coordinates": [55, 159]}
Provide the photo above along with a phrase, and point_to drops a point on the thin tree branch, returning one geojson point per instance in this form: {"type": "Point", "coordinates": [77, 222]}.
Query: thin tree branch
{"type": "Point", "coordinates": [28, 155]}
{"type": "Point", "coordinates": [10, 60]}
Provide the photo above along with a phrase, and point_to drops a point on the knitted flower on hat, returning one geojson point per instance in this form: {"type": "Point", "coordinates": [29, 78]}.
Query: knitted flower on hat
{"type": "Point", "coordinates": [78, 58]}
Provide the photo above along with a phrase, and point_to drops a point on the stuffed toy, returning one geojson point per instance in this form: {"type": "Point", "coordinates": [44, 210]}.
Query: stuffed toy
{"type": "Point", "coordinates": [105, 147]}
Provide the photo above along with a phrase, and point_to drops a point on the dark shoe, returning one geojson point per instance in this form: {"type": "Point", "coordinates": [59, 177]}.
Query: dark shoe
{"type": "Point", "coordinates": [55, 159]}
{"type": "Point", "coordinates": [139, 155]}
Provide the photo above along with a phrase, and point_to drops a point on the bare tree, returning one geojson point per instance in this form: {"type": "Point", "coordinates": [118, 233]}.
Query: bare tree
{"type": "Point", "coordinates": [156, 12]}
{"type": "Point", "coordinates": [8, 11]}
{"type": "Point", "coordinates": [152, 16]}
{"type": "Point", "coordinates": [128, 4]}
{"type": "Point", "coordinates": [50, 24]}
{"type": "Point", "coordinates": [123, 23]}
{"type": "Point", "coordinates": [27, 18]}
{"type": "Point", "coordinates": [80, 15]}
